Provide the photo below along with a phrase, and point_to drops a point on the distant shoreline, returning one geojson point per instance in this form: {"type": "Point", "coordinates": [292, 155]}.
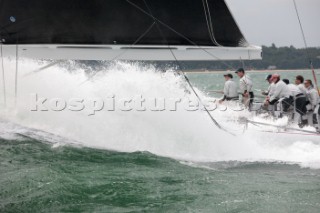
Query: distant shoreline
{"type": "Point", "coordinates": [250, 71]}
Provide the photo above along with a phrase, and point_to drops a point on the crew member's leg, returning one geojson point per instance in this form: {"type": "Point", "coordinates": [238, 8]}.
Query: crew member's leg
{"type": "Point", "coordinates": [301, 110]}
{"type": "Point", "coordinates": [251, 95]}
{"type": "Point", "coordinates": [286, 103]}
{"type": "Point", "coordinates": [275, 107]}
{"type": "Point", "coordinates": [310, 114]}
{"type": "Point", "coordinates": [318, 118]}
{"type": "Point", "coordinates": [245, 101]}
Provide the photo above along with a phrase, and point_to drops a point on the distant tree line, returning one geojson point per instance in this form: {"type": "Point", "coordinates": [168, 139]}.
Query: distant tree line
{"type": "Point", "coordinates": [273, 57]}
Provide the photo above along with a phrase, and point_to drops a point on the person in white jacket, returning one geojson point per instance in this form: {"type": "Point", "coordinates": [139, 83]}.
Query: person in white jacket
{"type": "Point", "coordinates": [230, 90]}
{"type": "Point", "coordinates": [300, 83]}
{"type": "Point", "coordinates": [271, 87]}
{"type": "Point", "coordinates": [313, 104]}
{"type": "Point", "coordinates": [281, 91]}
{"type": "Point", "coordinates": [245, 84]}
{"type": "Point", "coordinates": [300, 102]}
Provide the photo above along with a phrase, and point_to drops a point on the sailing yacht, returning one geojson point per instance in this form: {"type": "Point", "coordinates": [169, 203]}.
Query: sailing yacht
{"type": "Point", "coordinates": [152, 30]}
{"type": "Point", "coordinates": [165, 30]}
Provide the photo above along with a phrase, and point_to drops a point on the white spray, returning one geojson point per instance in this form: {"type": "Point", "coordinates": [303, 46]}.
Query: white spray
{"type": "Point", "coordinates": [180, 134]}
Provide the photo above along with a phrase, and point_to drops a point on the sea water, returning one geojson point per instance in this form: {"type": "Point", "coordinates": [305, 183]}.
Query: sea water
{"type": "Point", "coordinates": [152, 160]}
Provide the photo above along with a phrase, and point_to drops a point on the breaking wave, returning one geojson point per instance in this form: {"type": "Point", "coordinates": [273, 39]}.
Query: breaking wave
{"type": "Point", "coordinates": [181, 134]}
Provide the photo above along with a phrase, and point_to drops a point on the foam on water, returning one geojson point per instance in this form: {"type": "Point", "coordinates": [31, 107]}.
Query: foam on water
{"type": "Point", "coordinates": [177, 134]}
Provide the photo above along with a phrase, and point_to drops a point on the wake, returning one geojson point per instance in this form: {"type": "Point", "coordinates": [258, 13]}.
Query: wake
{"type": "Point", "coordinates": [180, 134]}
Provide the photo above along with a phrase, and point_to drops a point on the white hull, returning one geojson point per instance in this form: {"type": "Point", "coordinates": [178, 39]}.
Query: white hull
{"type": "Point", "coordinates": [136, 52]}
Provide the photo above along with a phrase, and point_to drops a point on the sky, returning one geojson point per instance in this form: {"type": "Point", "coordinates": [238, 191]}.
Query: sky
{"type": "Point", "coordinates": [264, 22]}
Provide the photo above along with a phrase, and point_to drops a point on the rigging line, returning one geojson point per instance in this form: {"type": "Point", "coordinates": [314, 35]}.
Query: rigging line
{"type": "Point", "coordinates": [158, 27]}
{"type": "Point", "coordinates": [150, 15]}
{"type": "Point", "coordinates": [3, 78]}
{"type": "Point", "coordinates": [280, 127]}
{"type": "Point", "coordinates": [185, 77]}
{"type": "Point", "coordinates": [16, 74]}
{"type": "Point", "coordinates": [242, 63]}
{"type": "Point", "coordinates": [301, 28]}
{"type": "Point", "coordinates": [42, 68]}
{"type": "Point", "coordinates": [155, 21]}
{"type": "Point", "coordinates": [181, 35]}
{"type": "Point", "coordinates": [314, 77]}
{"type": "Point", "coordinates": [208, 26]}
{"type": "Point", "coordinates": [4, 29]}
{"type": "Point", "coordinates": [293, 105]}
{"type": "Point", "coordinates": [210, 22]}
{"type": "Point", "coordinates": [292, 133]}
{"type": "Point", "coordinates": [141, 36]}
{"type": "Point", "coordinates": [211, 25]}
{"type": "Point", "coordinates": [198, 97]}
{"type": "Point", "coordinates": [306, 46]}
{"type": "Point", "coordinates": [254, 123]}
{"type": "Point", "coordinates": [120, 54]}
{"type": "Point", "coordinates": [193, 90]}
{"type": "Point", "coordinates": [160, 31]}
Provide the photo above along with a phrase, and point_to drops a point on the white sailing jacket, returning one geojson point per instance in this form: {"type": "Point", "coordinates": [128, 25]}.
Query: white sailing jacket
{"type": "Point", "coordinates": [313, 96]}
{"type": "Point", "coordinates": [245, 84]}
{"type": "Point", "coordinates": [271, 89]}
{"type": "Point", "coordinates": [294, 89]}
{"type": "Point", "coordinates": [230, 89]}
{"type": "Point", "coordinates": [281, 91]}
{"type": "Point", "coordinates": [302, 89]}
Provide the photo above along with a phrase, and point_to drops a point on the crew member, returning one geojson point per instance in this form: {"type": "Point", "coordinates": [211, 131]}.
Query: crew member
{"type": "Point", "coordinates": [281, 92]}
{"type": "Point", "coordinates": [271, 87]}
{"type": "Point", "coordinates": [300, 83]}
{"type": "Point", "coordinates": [312, 104]}
{"type": "Point", "coordinates": [300, 102]}
{"type": "Point", "coordinates": [230, 90]}
{"type": "Point", "coordinates": [245, 88]}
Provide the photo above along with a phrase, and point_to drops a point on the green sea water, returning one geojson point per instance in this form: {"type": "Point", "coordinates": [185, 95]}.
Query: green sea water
{"type": "Point", "coordinates": [38, 178]}
{"type": "Point", "coordinates": [43, 173]}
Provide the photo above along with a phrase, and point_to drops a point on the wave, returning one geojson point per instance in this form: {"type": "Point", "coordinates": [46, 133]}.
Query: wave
{"type": "Point", "coordinates": [181, 134]}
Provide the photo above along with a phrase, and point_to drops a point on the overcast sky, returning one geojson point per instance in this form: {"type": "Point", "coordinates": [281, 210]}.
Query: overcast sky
{"type": "Point", "coordinates": [264, 22]}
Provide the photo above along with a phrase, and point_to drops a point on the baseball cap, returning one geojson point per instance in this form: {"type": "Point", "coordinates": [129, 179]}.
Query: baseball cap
{"type": "Point", "coordinates": [240, 70]}
{"type": "Point", "coordinates": [268, 77]}
{"type": "Point", "coordinates": [229, 75]}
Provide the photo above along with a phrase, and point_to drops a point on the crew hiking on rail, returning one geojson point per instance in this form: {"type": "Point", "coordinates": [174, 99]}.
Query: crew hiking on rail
{"type": "Point", "coordinates": [301, 99]}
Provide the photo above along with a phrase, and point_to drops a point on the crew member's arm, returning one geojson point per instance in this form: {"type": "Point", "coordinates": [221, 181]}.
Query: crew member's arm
{"type": "Point", "coordinates": [242, 86]}
{"type": "Point", "coordinates": [249, 85]}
